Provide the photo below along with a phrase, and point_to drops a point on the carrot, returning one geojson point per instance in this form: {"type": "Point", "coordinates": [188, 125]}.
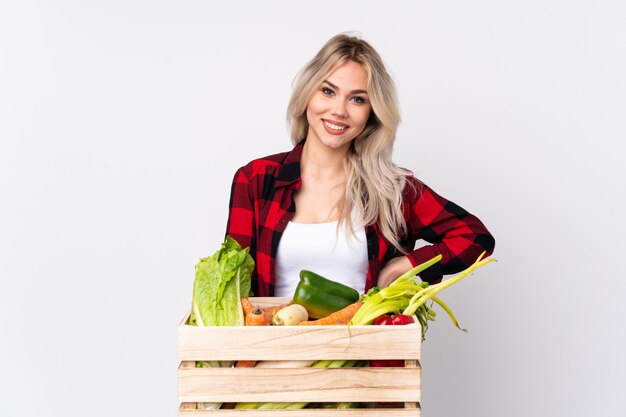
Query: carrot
{"type": "Point", "coordinates": [245, 364]}
{"type": "Point", "coordinates": [266, 314]}
{"type": "Point", "coordinates": [342, 316]}
{"type": "Point", "coordinates": [256, 318]}
{"type": "Point", "coordinates": [246, 305]}
{"type": "Point", "coordinates": [269, 312]}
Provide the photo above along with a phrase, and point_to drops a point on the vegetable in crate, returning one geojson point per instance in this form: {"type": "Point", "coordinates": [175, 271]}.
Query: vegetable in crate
{"type": "Point", "coordinates": [290, 315]}
{"type": "Point", "coordinates": [220, 282]}
{"type": "Point", "coordinates": [322, 296]}
{"type": "Point", "coordinates": [396, 320]}
{"type": "Point", "coordinates": [408, 296]}
{"type": "Point", "coordinates": [339, 317]}
{"type": "Point", "coordinates": [259, 316]}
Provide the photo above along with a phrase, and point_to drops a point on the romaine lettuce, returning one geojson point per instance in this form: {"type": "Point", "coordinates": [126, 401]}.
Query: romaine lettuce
{"type": "Point", "coordinates": [221, 281]}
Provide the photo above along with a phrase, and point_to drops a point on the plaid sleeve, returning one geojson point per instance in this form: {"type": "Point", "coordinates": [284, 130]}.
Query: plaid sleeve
{"type": "Point", "coordinates": [241, 223]}
{"type": "Point", "coordinates": [457, 235]}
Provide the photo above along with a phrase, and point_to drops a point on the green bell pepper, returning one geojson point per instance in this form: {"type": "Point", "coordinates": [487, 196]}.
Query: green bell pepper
{"type": "Point", "coordinates": [322, 296]}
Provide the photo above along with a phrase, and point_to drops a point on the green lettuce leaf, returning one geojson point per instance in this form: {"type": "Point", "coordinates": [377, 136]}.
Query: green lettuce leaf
{"type": "Point", "coordinates": [221, 281]}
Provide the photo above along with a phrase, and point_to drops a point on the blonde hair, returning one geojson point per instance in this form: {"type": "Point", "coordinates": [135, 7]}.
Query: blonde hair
{"type": "Point", "coordinates": [374, 183]}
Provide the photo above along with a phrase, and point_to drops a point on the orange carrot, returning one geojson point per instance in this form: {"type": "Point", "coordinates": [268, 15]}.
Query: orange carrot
{"type": "Point", "coordinates": [245, 364]}
{"type": "Point", "coordinates": [256, 318]}
{"type": "Point", "coordinates": [246, 305]}
{"type": "Point", "coordinates": [266, 313]}
{"type": "Point", "coordinates": [342, 316]}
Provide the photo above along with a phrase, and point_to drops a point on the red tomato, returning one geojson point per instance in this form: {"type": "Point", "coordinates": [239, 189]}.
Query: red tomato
{"type": "Point", "coordinates": [400, 319]}
{"type": "Point", "coordinates": [385, 363]}
{"type": "Point", "coordinates": [383, 321]}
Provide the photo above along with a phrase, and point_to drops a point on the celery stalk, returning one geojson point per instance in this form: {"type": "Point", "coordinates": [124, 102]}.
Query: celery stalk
{"type": "Point", "coordinates": [369, 314]}
{"type": "Point", "coordinates": [247, 406]}
{"type": "Point", "coordinates": [295, 406]}
{"type": "Point", "coordinates": [281, 406]}
{"type": "Point", "coordinates": [209, 406]}
{"type": "Point", "coordinates": [399, 289]}
{"type": "Point", "coordinates": [431, 290]}
{"type": "Point", "coordinates": [447, 310]}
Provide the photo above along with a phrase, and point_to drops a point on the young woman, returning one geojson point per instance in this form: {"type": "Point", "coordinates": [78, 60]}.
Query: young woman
{"type": "Point", "coordinates": [336, 204]}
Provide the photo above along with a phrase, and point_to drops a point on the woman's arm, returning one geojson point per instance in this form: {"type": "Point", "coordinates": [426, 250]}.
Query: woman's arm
{"type": "Point", "coordinates": [455, 234]}
{"type": "Point", "coordinates": [241, 224]}
{"type": "Point", "coordinates": [392, 270]}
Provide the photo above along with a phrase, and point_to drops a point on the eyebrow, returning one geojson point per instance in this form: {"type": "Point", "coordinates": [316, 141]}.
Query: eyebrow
{"type": "Point", "coordinates": [351, 92]}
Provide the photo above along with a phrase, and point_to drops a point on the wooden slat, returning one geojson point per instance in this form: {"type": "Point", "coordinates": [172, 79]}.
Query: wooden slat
{"type": "Point", "coordinates": [311, 412]}
{"type": "Point", "coordinates": [299, 342]}
{"type": "Point", "coordinates": [299, 384]}
{"type": "Point", "coordinates": [411, 364]}
{"type": "Point", "coordinates": [185, 319]}
{"type": "Point", "coordinates": [269, 301]}
{"type": "Point", "coordinates": [188, 365]}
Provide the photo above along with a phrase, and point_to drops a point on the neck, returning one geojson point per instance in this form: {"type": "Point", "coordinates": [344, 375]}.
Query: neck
{"type": "Point", "coordinates": [322, 161]}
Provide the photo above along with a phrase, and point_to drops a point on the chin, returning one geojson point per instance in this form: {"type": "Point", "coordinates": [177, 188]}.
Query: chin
{"type": "Point", "coordinates": [336, 143]}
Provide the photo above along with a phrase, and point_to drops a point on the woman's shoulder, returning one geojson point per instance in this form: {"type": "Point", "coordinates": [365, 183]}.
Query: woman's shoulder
{"type": "Point", "coordinates": [264, 164]}
{"type": "Point", "coordinates": [413, 187]}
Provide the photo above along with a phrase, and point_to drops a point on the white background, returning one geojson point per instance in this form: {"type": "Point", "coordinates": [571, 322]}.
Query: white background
{"type": "Point", "coordinates": [122, 123]}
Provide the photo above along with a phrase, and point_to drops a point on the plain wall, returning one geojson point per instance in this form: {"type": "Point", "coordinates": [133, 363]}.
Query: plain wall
{"type": "Point", "coordinates": [122, 123]}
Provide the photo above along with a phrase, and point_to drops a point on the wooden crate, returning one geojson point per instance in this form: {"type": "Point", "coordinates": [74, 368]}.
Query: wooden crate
{"type": "Point", "coordinates": [369, 385]}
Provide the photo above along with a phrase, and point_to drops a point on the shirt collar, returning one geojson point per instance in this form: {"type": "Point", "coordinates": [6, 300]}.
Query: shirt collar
{"type": "Point", "coordinates": [290, 170]}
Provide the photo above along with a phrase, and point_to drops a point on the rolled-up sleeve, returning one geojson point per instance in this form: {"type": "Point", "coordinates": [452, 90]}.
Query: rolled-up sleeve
{"type": "Point", "coordinates": [454, 233]}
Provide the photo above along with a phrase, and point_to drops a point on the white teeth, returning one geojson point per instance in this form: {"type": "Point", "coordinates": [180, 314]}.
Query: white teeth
{"type": "Point", "coordinates": [334, 127]}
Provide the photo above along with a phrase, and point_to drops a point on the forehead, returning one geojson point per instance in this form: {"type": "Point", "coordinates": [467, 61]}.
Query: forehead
{"type": "Point", "coordinates": [350, 76]}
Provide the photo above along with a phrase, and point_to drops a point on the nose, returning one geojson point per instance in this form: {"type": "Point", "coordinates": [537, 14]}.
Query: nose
{"type": "Point", "coordinates": [340, 109]}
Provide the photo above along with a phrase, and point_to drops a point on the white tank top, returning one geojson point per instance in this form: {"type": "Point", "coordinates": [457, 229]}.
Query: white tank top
{"type": "Point", "coordinates": [323, 249]}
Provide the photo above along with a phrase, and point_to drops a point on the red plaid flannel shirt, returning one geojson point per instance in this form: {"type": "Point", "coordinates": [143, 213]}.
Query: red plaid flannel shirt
{"type": "Point", "coordinates": [261, 205]}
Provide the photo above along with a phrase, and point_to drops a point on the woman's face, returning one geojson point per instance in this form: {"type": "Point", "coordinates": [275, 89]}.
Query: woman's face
{"type": "Point", "coordinates": [338, 110]}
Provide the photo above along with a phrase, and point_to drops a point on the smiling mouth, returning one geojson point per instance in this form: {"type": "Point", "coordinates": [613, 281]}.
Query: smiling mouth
{"type": "Point", "coordinates": [335, 127]}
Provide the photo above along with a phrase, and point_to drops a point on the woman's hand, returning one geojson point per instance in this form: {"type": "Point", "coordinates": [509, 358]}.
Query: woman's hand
{"type": "Point", "coordinates": [394, 268]}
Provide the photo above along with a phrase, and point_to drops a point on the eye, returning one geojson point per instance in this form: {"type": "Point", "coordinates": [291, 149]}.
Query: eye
{"type": "Point", "coordinates": [358, 99]}
{"type": "Point", "coordinates": [327, 91]}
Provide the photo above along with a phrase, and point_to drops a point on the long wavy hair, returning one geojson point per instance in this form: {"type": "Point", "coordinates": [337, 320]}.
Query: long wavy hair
{"type": "Point", "coordinates": [374, 183]}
